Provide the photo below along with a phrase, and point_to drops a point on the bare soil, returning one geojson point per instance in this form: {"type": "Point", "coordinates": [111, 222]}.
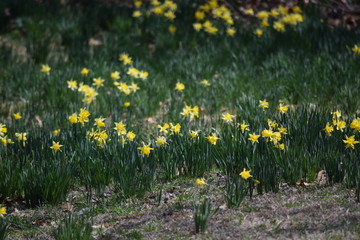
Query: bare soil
{"type": "Point", "coordinates": [295, 212]}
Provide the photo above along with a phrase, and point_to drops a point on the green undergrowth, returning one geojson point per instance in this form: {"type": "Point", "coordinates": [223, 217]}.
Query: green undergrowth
{"type": "Point", "coordinates": [308, 76]}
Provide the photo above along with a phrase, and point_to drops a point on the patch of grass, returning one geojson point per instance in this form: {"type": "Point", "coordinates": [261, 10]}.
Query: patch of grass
{"type": "Point", "coordinates": [20, 223]}
{"type": "Point", "coordinates": [261, 227]}
{"type": "Point", "coordinates": [293, 204]}
{"type": "Point", "coordinates": [277, 229]}
{"type": "Point", "coordinates": [335, 236]}
{"type": "Point", "coordinates": [248, 209]}
{"type": "Point", "coordinates": [4, 229]}
{"type": "Point", "coordinates": [135, 235]}
{"type": "Point", "coordinates": [74, 228]}
{"type": "Point", "coordinates": [123, 210]}
{"type": "Point", "coordinates": [178, 236]}
{"type": "Point", "coordinates": [153, 226]}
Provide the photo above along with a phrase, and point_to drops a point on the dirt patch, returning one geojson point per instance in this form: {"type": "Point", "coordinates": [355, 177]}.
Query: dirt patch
{"type": "Point", "coordinates": [296, 212]}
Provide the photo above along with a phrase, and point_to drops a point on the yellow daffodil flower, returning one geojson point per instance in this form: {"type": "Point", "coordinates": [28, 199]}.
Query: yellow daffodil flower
{"type": "Point", "coordinates": [85, 71]}
{"type": "Point", "coordinates": [328, 129]}
{"type": "Point", "coordinates": [145, 149]}
{"type": "Point", "coordinates": [213, 138]}
{"type": "Point", "coordinates": [227, 117]}
{"type": "Point", "coordinates": [99, 122]}
{"type": "Point", "coordinates": [194, 134]}
{"type": "Point", "coordinates": [45, 69]}
{"type": "Point", "coordinates": [161, 141]}
{"type": "Point", "coordinates": [56, 132]}
{"type": "Point", "coordinates": [355, 124]}
{"type": "Point", "coordinates": [136, 14]}
{"type": "Point", "coordinates": [179, 87]}
{"type": "Point", "coordinates": [205, 83]}
{"type": "Point", "coordinates": [21, 137]}
{"type": "Point", "coordinates": [120, 128]}
{"type": "Point", "coordinates": [98, 82]}
{"type": "Point", "coordinates": [73, 118]}
{"type": "Point", "coordinates": [131, 136]}
{"type": "Point", "coordinates": [245, 174]}
{"type": "Point", "coordinates": [282, 108]}
{"type": "Point", "coordinates": [356, 49]}
{"type": "Point", "coordinates": [2, 211]}
{"type": "Point", "coordinates": [197, 26]}
{"type": "Point", "coordinates": [115, 75]}
{"type": "Point", "coordinates": [56, 146]}
{"type": "Point", "coordinates": [253, 138]}
{"type": "Point", "coordinates": [72, 85]}
{"type": "Point", "coordinates": [244, 127]}
{"type": "Point", "coordinates": [350, 141]}
{"type": "Point", "coordinates": [17, 116]}
{"type": "Point", "coordinates": [258, 32]}
{"type": "Point", "coordinates": [263, 104]}
{"type": "Point", "coordinates": [200, 182]}
{"type": "Point", "coordinates": [126, 104]}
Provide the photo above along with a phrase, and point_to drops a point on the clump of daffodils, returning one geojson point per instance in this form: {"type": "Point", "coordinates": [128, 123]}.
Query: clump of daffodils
{"type": "Point", "coordinates": [137, 74]}
{"type": "Point", "coordinates": [99, 136]}
{"type": "Point", "coordinates": [82, 117]}
{"type": "Point", "coordinates": [122, 132]}
{"type": "Point", "coordinates": [337, 123]}
{"type": "Point", "coordinates": [191, 112]}
{"type": "Point", "coordinates": [277, 18]}
{"type": "Point", "coordinates": [4, 140]}
{"type": "Point", "coordinates": [272, 134]}
{"type": "Point", "coordinates": [22, 137]}
{"type": "Point", "coordinates": [340, 125]}
{"type": "Point", "coordinates": [89, 93]}
{"type": "Point", "coordinates": [162, 9]}
{"type": "Point", "coordinates": [169, 128]}
{"type": "Point", "coordinates": [125, 59]}
{"type": "Point", "coordinates": [211, 18]}
{"type": "Point", "coordinates": [125, 88]}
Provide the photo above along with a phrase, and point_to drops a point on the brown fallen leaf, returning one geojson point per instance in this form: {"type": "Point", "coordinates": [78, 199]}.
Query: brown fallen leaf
{"type": "Point", "coordinates": [38, 121]}
{"type": "Point", "coordinates": [150, 120]}
{"type": "Point", "coordinates": [300, 182]}
{"type": "Point", "coordinates": [67, 207]}
{"type": "Point", "coordinates": [322, 178]}
{"type": "Point", "coordinates": [95, 42]}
